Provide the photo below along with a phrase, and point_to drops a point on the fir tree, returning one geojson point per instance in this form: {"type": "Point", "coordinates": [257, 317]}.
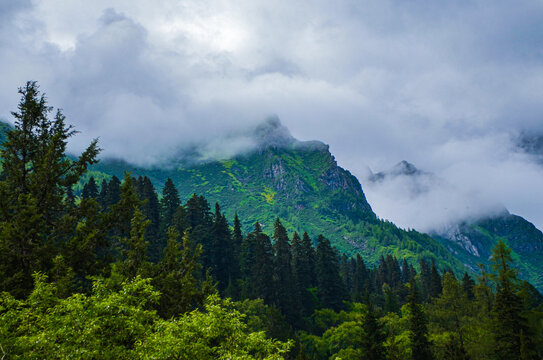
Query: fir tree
{"type": "Point", "coordinates": [418, 326]}
{"type": "Point", "coordinates": [102, 196]}
{"type": "Point", "coordinates": [221, 252]}
{"type": "Point", "coordinates": [425, 280]}
{"type": "Point", "coordinates": [510, 328]}
{"type": "Point", "coordinates": [89, 189]}
{"type": "Point", "coordinates": [113, 192]}
{"type": "Point", "coordinates": [287, 295]}
{"type": "Point", "coordinates": [330, 287]}
{"type": "Point", "coordinates": [36, 175]}
{"type": "Point", "coordinates": [134, 252]}
{"type": "Point", "coordinates": [303, 263]}
{"type": "Point", "coordinates": [179, 276]}
{"type": "Point", "coordinates": [262, 269]}
{"type": "Point", "coordinates": [468, 284]}
{"type": "Point", "coordinates": [373, 337]}
{"type": "Point", "coordinates": [435, 287]}
{"type": "Point", "coordinates": [151, 210]}
{"type": "Point", "coordinates": [169, 204]}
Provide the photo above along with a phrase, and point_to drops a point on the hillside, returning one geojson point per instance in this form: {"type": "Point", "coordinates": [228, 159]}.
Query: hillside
{"type": "Point", "coordinates": [472, 242]}
{"type": "Point", "coordinates": [299, 182]}
{"type": "Point", "coordinates": [472, 239]}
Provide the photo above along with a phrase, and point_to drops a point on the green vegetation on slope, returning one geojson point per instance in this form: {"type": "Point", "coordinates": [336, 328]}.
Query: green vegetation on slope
{"type": "Point", "coordinates": [303, 186]}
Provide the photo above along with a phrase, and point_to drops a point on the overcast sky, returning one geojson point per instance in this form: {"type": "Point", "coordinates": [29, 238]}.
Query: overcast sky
{"type": "Point", "coordinates": [446, 85]}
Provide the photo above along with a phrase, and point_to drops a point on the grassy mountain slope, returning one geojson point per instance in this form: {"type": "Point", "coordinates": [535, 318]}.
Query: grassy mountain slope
{"type": "Point", "coordinates": [472, 243]}
{"type": "Point", "coordinates": [301, 183]}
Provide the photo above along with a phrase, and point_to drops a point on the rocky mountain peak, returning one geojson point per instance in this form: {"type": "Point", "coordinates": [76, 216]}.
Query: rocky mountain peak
{"type": "Point", "coordinates": [404, 168]}
{"type": "Point", "coordinates": [272, 132]}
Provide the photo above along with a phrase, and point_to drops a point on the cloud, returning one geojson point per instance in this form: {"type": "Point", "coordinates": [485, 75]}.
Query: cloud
{"type": "Point", "coordinates": [444, 85]}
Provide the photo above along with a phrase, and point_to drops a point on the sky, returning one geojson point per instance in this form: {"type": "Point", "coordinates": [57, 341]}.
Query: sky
{"type": "Point", "coordinates": [449, 86]}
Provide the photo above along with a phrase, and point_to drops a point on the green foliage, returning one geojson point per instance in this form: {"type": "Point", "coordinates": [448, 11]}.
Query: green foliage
{"type": "Point", "coordinates": [122, 325]}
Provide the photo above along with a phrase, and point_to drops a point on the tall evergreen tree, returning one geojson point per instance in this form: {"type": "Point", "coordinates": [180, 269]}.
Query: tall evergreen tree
{"type": "Point", "coordinates": [425, 280]}
{"type": "Point", "coordinates": [468, 284]}
{"type": "Point", "coordinates": [361, 279]}
{"type": "Point", "coordinates": [303, 263]}
{"type": "Point", "coordinates": [418, 326]}
{"type": "Point", "coordinates": [450, 310]}
{"type": "Point", "coordinates": [287, 295]}
{"type": "Point", "coordinates": [510, 327]}
{"type": "Point", "coordinates": [103, 195]}
{"type": "Point", "coordinates": [113, 192]}
{"type": "Point", "coordinates": [330, 286]}
{"type": "Point", "coordinates": [221, 252]}
{"type": "Point", "coordinates": [169, 204]}
{"type": "Point", "coordinates": [374, 337]}
{"type": "Point", "coordinates": [179, 276]}
{"type": "Point", "coordinates": [134, 261]}
{"type": "Point", "coordinates": [435, 287]}
{"type": "Point", "coordinates": [262, 271]}
{"type": "Point", "coordinates": [151, 210]}
{"type": "Point", "coordinates": [89, 189]}
{"type": "Point", "coordinates": [36, 174]}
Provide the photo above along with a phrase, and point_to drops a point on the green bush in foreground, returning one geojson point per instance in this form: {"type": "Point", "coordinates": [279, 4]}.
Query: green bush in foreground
{"type": "Point", "coordinates": [111, 324]}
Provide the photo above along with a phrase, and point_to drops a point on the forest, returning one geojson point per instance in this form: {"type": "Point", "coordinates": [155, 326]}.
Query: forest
{"type": "Point", "coordinates": [120, 270]}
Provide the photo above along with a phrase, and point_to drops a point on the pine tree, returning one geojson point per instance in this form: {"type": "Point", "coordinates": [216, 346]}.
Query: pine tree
{"type": "Point", "coordinates": [179, 276]}
{"type": "Point", "coordinates": [303, 263]}
{"type": "Point", "coordinates": [510, 327]}
{"type": "Point", "coordinates": [468, 284]}
{"type": "Point", "coordinates": [287, 295]}
{"type": "Point", "coordinates": [199, 219]}
{"type": "Point", "coordinates": [237, 241]}
{"type": "Point", "coordinates": [425, 280]}
{"type": "Point", "coordinates": [361, 279]}
{"type": "Point", "coordinates": [134, 261]}
{"type": "Point", "coordinates": [346, 272]}
{"type": "Point", "coordinates": [169, 204]}
{"type": "Point", "coordinates": [102, 196]}
{"type": "Point", "coordinates": [90, 191]}
{"type": "Point", "coordinates": [451, 309]}
{"type": "Point", "coordinates": [36, 176]}
{"type": "Point", "coordinates": [113, 192]}
{"type": "Point", "coordinates": [373, 337]}
{"type": "Point", "coordinates": [406, 275]}
{"type": "Point", "coordinates": [151, 210]}
{"type": "Point", "coordinates": [330, 287]}
{"type": "Point", "coordinates": [262, 271]}
{"type": "Point", "coordinates": [435, 287]}
{"type": "Point", "coordinates": [221, 252]}
{"type": "Point", "coordinates": [418, 326]}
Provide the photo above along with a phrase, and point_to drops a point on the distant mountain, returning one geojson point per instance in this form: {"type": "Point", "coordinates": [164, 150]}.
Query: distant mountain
{"type": "Point", "coordinates": [299, 182]}
{"type": "Point", "coordinates": [532, 144]}
{"type": "Point", "coordinates": [472, 239]}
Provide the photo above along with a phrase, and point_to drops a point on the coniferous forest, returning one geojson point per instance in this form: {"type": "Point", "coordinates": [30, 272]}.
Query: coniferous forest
{"type": "Point", "coordinates": [120, 270]}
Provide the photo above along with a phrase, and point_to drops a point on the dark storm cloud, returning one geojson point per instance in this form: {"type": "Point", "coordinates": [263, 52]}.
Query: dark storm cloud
{"type": "Point", "coordinates": [447, 85]}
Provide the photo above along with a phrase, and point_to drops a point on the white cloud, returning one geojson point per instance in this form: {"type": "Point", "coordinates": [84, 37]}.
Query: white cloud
{"type": "Point", "coordinates": [442, 85]}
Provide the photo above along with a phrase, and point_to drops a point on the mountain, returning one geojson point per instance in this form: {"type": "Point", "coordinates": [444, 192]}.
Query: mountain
{"type": "Point", "coordinates": [472, 238]}
{"type": "Point", "coordinates": [472, 241]}
{"type": "Point", "coordinates": [299, 182]}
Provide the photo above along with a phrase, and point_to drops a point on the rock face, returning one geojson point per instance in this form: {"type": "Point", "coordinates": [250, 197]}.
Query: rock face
{"type": "Point", "coordinates": [458, 235]}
